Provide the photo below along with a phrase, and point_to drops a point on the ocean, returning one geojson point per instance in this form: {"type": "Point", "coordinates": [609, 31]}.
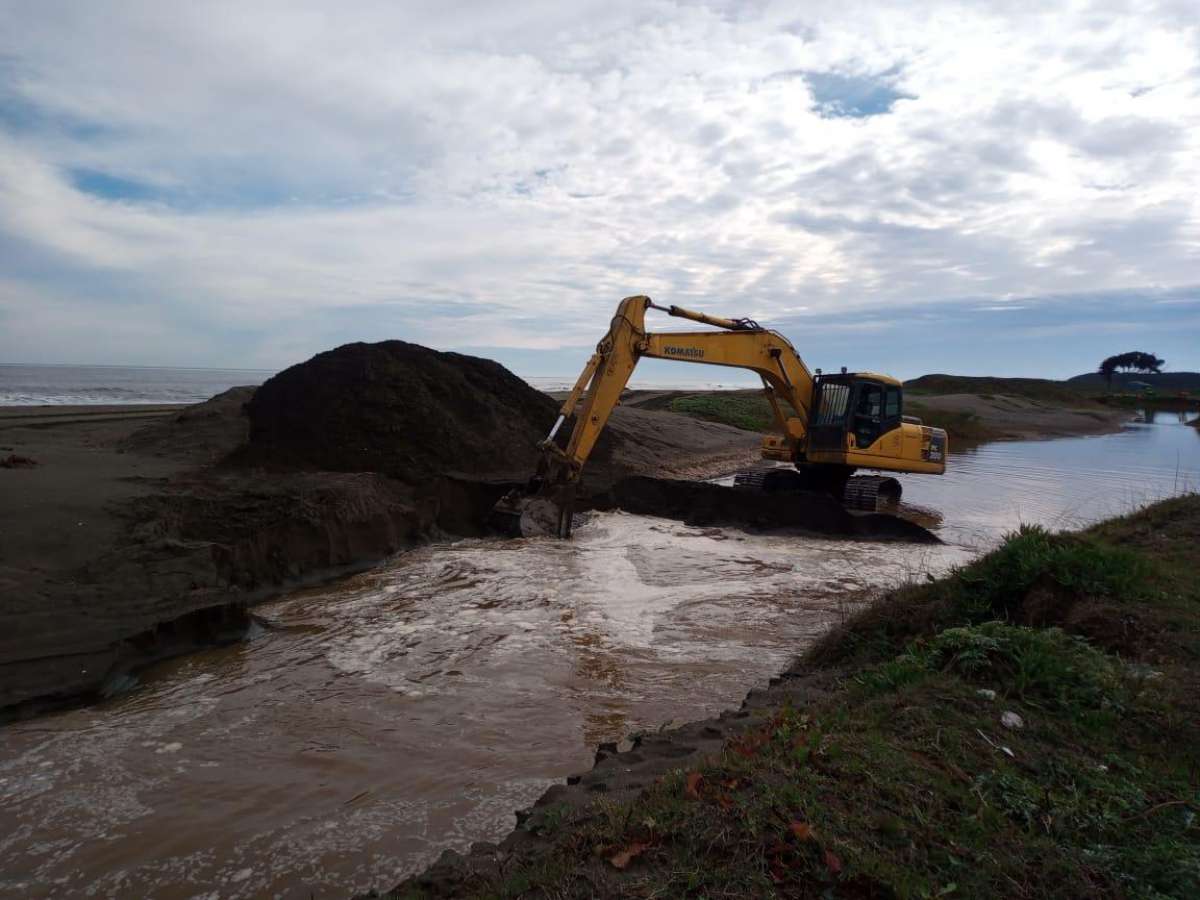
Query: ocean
{"type": "Point", "coordinates": [72, 385]}
{"type": "Point", "coordinates": [25, 385]}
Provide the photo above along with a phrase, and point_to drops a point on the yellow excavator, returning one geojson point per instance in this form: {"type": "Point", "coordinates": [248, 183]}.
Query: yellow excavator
{"type": "Point", "coordinates": [826, 426]}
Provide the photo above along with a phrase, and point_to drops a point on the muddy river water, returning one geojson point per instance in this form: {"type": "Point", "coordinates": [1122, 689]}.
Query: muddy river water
{"type": "Point", "coordinates": [372, 723]}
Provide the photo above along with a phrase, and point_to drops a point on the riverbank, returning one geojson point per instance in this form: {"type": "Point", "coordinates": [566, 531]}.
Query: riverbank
{"type": "Point", "coordinates": [970, 417]}
{"type": "Point", "coordinates": [124, 541]}
{"type": "Point", "coordinates": [1028, 726]}
{"type": "Point", "coordinates": [126, 536]}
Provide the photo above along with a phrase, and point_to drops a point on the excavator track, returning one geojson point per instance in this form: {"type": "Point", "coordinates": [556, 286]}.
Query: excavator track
{"type": "Point", "coordinates": [863, 492]}
{"type": "Point", "coordinates": [751, 480]}
{"type": "Point", "coordinates": [869, 492]}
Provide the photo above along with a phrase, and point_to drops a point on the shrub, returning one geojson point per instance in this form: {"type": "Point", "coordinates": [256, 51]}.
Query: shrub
{"type": "Point", "coordinates": [1039, 666]}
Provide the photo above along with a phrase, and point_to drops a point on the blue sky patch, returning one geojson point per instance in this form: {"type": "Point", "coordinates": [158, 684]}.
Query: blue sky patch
{"type": "Point", "coordinates": [220, 191]}
{"type": "Point", "coordinates": [110, 187]}
{"type": "Point", "coordinates": [852, 96]}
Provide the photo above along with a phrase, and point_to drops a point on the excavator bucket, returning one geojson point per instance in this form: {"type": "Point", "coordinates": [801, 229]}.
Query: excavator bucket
{"type": "Point", "coordinates": [545, 512]}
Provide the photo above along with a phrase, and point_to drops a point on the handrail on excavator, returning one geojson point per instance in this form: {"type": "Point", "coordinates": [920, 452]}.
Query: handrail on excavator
{"type": "Point", "coordinates": [705, 318]}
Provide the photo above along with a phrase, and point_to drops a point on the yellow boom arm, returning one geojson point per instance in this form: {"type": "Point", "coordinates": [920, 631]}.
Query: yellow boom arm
{"type": "Point", "coordinates": [858, 423]}
{"type": "Point", "coordinates": [742, 344]}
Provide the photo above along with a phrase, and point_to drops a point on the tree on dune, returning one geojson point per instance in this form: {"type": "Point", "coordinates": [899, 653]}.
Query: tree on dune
{"type": "Point", "coordinates": [1133, 361]}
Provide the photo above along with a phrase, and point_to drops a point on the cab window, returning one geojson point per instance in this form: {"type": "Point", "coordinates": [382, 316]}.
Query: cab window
{"type": "Point", "coordinates": [870, 401]}
{"type": "Point", "coordinates": [892, 406]}
{"type": "Point", "coordinates": [834, 400]}
{"type": "Point", "coordinates": [868, 414]}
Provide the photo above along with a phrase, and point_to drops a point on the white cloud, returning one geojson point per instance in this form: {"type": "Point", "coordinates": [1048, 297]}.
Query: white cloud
{"type": "Point", "coordinates": [481, 175]}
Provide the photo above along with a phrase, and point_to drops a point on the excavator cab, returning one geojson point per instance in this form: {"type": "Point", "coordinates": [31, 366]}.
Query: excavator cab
{"type": "Point", "coordinates": [858, 420]}
{"type": "Point", "coordinates": [860, 405]}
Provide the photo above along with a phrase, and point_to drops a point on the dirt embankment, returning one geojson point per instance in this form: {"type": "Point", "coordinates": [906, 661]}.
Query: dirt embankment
{"type": "Point", "coordinates": [126, 542]}
{"type": "Point", "coordinates": [136, 533]}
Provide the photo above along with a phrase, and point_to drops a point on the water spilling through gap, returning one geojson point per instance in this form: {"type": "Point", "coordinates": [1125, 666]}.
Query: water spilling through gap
{"type": "Point", "coordinates": [377, 721]}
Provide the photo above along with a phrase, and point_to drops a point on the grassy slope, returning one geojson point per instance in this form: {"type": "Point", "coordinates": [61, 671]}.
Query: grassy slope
{"type": "Point", "coordinates": [746, 410]}
{"type": "Point", "coordinates": [1078, 393]}
{"type": "Point", "coordinates": [898, 783]}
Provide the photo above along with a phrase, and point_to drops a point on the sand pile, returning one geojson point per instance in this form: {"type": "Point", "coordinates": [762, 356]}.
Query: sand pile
{"type": "Point", "coordinates": [399, 409]}
{"type": "Point", "coordinates": [203, 433]}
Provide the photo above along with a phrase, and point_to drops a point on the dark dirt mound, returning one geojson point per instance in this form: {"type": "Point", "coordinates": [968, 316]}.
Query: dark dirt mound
{"type": "Point", "coordinates": [399, 409]}
{"type": "Point", "coordinates": [703, 503]}
{"type": "Point", "coordinates": [204, 432]}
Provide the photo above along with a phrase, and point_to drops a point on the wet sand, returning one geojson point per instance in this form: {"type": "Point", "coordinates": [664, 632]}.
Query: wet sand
{"type": "Point", "coordinates": [56, 516]}
{"type": "Point", "coordinates": [78, 470]}
{"type": "Point", "coordinates": [122, 543]}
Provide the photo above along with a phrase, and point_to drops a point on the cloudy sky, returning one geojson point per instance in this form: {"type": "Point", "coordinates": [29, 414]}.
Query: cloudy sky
{"type": "Point", "coordinates": [988, 188]}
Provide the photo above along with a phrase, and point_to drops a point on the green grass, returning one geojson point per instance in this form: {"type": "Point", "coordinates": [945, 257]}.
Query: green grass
{"type": "Point", "coordinates": [750, 412]}
{"type": "Point", "coordinates": [903, 781]}
{"type": "Point", "coordinates": [1040, 578]}
{"type": "Point", "coordinates": [1043, 667]}
{"type": "Point", "coordinates": [898, 795]}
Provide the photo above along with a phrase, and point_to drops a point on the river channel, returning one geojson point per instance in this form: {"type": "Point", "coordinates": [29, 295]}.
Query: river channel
{"type": "Point", "coordinates": [372, 723]}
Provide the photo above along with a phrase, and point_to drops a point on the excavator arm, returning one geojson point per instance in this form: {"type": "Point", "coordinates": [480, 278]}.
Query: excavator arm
{"type": "Point", "coordinates": [741, 344]}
